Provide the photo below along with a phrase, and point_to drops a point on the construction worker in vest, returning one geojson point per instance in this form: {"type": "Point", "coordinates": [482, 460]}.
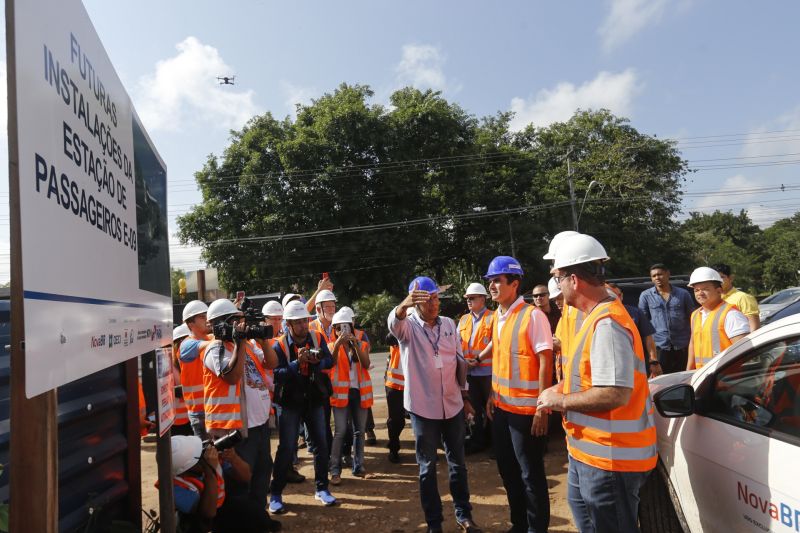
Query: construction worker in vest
{"type": "Point", "coordinates": [435, 397]}
{"type": "Point", "coordinates": [475, 329]}
{"type": "Point", "coordinates": [192, 352]}
{"type": "Point", "coordinates": [325, 306]}
{"type": "Point", "coordinates": [303, 356]}
{"type": "Point", "coordinates": [352, 392]}
{"type": "Point", "coordinates": [604, 397]}
{"type": "Point", "coordinates": [522, 345]}
{"type": "Point", "coordinates": [324, 284]}
{"type": "Point", "coordinates": [180, 426]}
{"type": "Point", "coordinates": [743, 301]}
{"type": "Point", "coordinates": [394, 383]}
{"type": "Point", "coordinates": [201, 496]}
{"type": "Point", "coordinates": [716, 324]}
{"type": "Point", "coordinates": [273, 312]}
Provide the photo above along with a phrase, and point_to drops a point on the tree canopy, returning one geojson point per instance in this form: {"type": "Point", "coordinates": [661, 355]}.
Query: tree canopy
{"type": "Point", "coordinates": [377, 194]}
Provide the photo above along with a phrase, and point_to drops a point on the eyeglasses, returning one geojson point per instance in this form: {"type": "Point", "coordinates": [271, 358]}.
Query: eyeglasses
{"type": "Point", "coordinates": [470, 298]}
{"type": "Point", "coordinates": [541, 295]}
{"type": "Point", "coordinates": [559, 279]}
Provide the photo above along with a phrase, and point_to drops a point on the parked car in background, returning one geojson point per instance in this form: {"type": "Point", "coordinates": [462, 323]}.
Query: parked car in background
{"type": "Point", "coordinates": [729, 440]}
{"type": "Point", "coordinates": [789, 310]}
{"type": "Point", "coordinates": [775, 302]}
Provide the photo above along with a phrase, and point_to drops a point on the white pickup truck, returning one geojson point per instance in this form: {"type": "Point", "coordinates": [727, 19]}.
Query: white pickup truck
{"type": "Point", "coordinates": [729, 440]}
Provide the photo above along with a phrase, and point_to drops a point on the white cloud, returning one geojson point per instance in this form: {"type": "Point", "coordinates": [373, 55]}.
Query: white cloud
{"type": "Point", "coordinates": [422, 67]}
{"type": "Point", "coordinates": [607, 90]}
{"type": "Point", "coordinates": [184, 90]}
{"type": "Point", "coordinates": [761, 198]}
{"type": "Point", "coordinates": [627, 18]}
{"type": "Point", "coordinates": [779, 136]}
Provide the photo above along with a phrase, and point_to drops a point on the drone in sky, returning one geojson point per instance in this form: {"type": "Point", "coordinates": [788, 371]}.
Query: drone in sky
{"type": "Point", "coordinates": [226, 80]}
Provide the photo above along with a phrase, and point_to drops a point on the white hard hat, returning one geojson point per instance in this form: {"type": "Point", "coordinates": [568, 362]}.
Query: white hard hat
{"type": "Point", "coordinates": [272, 308]}
{"type": "Point", "coordinates": [186, 451]}
{"type": "Point", "coordinates": [553, 288]}
{"type": "Point", "coordinates": [221, 307]}
{"type": "Point", "coordinates": [556, 240]}
{"type": "Point", "coordinates": [325, 296]}
{"type": "Point", "coordinates": [343, 316]}
{"type": "Point", "coordinates": [178, 332]}
{"type": "Point", "coordinates": [578, 249]}
{"type": "Point", "coordinates": [701, 274]}
{"type": "Point", "coordinates": [476, 289]}
{"type": "Point", "coordinates": [288, 297]}
{"type": "Point", "coordinates": [295, 310]}
{"type": "Point", "coordinates": [194, 308]}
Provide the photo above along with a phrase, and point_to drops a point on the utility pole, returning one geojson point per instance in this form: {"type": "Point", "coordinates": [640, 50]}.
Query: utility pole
{"type": "Point", "coordinates": [511, 236]}
{"type": "Point", "coordinates": [571, 192]}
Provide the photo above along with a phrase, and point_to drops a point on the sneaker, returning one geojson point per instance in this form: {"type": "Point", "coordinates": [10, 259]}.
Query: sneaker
{"type": "Point", "coordinates": [360, 472]}
{"type": "Point", "coordinates": [371, 439]}
{"type": "Point", "coordinates": [336, 479]}
{"type": "Point", "coordinates": [276, 504]}
{"type": "Point", "coordinates": [293, 476]}
{"type": "Point", "coordinates": [394, 457]}
{"type": "Point", "coordinates": [325, 497]}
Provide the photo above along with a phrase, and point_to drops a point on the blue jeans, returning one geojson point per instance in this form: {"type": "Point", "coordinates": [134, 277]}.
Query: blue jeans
{"type": "Point", "coordinates": [428, 434]}
{"type": "Point", "coordinates": [198, 423]}
{"type": "Point", "coordinates": [520, 461]}
{"type": "Point", "coordinates": [288, 431]}
{"type": "Point", "coordinates": [341, 418]}
{"type": "Point", "coordinates": [603, 501]}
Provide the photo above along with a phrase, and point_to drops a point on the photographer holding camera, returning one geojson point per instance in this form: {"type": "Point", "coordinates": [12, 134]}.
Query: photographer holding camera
{"type": "Point", "coordinates": [352, 391]}
{"type": "Point", "coordinates": [237, 393]}
{"type": "Point", "coordinates": [199, 472]}
{"type": "Point", "coordinates": [301, 390]}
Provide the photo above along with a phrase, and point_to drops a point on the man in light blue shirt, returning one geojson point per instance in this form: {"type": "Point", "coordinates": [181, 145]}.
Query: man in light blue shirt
{"type": "Point", "coordinates": [669, 310]}
{"type": "Point", "coordinates": [430, 355]}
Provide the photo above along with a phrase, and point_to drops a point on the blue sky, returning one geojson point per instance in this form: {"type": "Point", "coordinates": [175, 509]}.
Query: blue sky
{"type": "Point", "coordinates": [720, 77]}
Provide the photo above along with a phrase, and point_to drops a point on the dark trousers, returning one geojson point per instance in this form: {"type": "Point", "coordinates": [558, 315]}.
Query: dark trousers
{"type": "Point", "coordinates": [326, 409]}
{"type": "Point", "coordinates": [520, 462]}
{"type": "Point", "coordinates": [429, 435]}
{"type": "Point", "coordinates": [673, 360]}
{"type": "Point", "coordinates": [348, 437]}
{"type": "Point", "coordinates": [480, 390]}
{"type": "Point", "coordinates": [396, 419]}
{"type": "Point", "coordinates": [288, 429]}
{"type": "Point", "coordinates": [255, 451]}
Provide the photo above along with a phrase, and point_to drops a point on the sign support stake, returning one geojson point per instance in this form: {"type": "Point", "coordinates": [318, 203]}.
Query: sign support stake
{"type": "Point", "coordinates": [34, 429]}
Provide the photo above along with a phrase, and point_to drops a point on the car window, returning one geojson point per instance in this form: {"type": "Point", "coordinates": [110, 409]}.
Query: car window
{"type": "Point", "coordinates": [761, 389]}
{"type": "Point", "coordinates": [789, 310]}
{"type": "Point", "coordinates": [782, 297]}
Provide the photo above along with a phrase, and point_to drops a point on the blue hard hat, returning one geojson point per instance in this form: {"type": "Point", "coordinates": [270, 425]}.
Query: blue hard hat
{"type": "Point", "coordinates": [504, 264]}
{"type": "Point", "coordinates": [424, 283]}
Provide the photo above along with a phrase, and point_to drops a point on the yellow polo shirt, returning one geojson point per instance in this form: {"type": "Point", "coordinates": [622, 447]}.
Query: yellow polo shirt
{"type": "Point", "coordinates": [745, 302]}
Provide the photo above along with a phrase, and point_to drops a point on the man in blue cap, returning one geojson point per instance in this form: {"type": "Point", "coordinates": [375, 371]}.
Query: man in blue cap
{"type": "Point", "coordinates": [430, 355]}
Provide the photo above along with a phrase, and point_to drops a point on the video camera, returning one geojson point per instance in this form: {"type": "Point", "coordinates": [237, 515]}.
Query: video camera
{"type": "Point", "coordinates": [226, 331]}
{"type": "Point", "coordinates": [223, 443]}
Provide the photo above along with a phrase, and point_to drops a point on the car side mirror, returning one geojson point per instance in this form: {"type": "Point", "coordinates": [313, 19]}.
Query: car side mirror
{"type": "Point", "coordinates": [675, 401]}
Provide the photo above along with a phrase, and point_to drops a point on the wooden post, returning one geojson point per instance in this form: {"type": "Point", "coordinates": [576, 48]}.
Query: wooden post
{"type": "Point", "coordinates": [166, 497]}
{"type": "Point", "coordinates": [201, 285]}
{"type": "Point", "coordinates": [134, 456]}
{"type": "Point", "coordinates": [33, 468]}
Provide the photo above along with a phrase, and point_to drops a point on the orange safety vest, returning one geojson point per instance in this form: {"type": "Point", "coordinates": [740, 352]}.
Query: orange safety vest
{"type": "Point", "coordinates": [709, 337]}
{"type": "Point", "coordinates": [317, 326]}
{"type": "Point", "coordinates": [192, 379]}
{"type": "Point", "coordinates": [394, 372]}
{"type": "Point", "coordinates": [482, 337]}
{"type": "Point", "coordinates": [142, 409]}
{"type": "Point", "coordinates": [622, 439]}
{"type": "Point", "coordinates": [515, 372]}
{"type": "Point", "coordinates": [221, 399]}
{"type": "Point", "coordinates": [181, 412]}
{"type": "Point", "coordinates": [316, 340]}
{"type": "Point", "coordinates": [568, 325]}
{"type": "Point", "coordinates": [340, 379]}
{"type": "Point", "coordinates": [195, 484]}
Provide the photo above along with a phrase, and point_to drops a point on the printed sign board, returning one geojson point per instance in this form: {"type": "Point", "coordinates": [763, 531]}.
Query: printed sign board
{"type": "Point", "coordinates": [165, 377]}
{"type": "Point", "coordinates": [93, 204]}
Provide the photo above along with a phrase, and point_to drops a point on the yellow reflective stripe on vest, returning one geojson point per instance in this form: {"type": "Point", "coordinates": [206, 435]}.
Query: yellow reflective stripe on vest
{"type": "Point", "coordinates": [614, 452]}
{"type": "Point", "coordinates": [516, 382]}
{"type": "Point", "coordinates": [715, 340]}
{"type": "Point", "coordinates": [230, 399]}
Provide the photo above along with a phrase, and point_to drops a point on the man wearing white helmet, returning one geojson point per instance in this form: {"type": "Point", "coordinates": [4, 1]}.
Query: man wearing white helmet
{"type": "Point", "coordinates": [192, 352]}
{"type": "Point", "coordinates": [604, 397]}
{"type": "Point", "coordinates": [301, 390]}
{"type": "Point", "coordinates": [475, 329]}
{"type": "Point", "coordinates": [236, 392]}
{"type": "Point", "coordinates": [324, 284]}
{"type": "Point", "coordinates": [716, 324]}
{"type": "Point", "coordinates": [325, 306]}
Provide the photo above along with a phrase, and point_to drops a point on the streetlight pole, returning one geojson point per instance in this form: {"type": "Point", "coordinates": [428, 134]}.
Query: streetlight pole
{"type": "Point", "coordinates": [572, 200]}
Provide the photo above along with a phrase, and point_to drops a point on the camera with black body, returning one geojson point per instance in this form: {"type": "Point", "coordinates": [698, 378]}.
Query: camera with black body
{"type": "Point", "coordinates": [253, 318]}
{"type": "Point", "coordinates": [226, 441]}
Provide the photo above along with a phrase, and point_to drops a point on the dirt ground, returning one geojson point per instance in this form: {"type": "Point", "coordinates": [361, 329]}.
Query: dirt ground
{"type": "Point", "coordinates": [388, 499]}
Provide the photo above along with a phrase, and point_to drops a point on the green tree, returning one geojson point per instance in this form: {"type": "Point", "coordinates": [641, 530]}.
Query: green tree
{"type": "Point", "coordinates": [782, 253]}
{"type": "Point", "coordinates": [725, 237]}
{"type": "Point", "coordinates": [373, 311]}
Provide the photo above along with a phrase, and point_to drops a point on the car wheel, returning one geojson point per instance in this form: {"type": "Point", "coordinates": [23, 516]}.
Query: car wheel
{"type": "Point", "coordinates": [656, 511]}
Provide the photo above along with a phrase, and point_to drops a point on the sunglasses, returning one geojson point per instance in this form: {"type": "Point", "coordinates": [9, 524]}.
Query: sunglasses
{"type": "Point", "coordinates": [541, 295]}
